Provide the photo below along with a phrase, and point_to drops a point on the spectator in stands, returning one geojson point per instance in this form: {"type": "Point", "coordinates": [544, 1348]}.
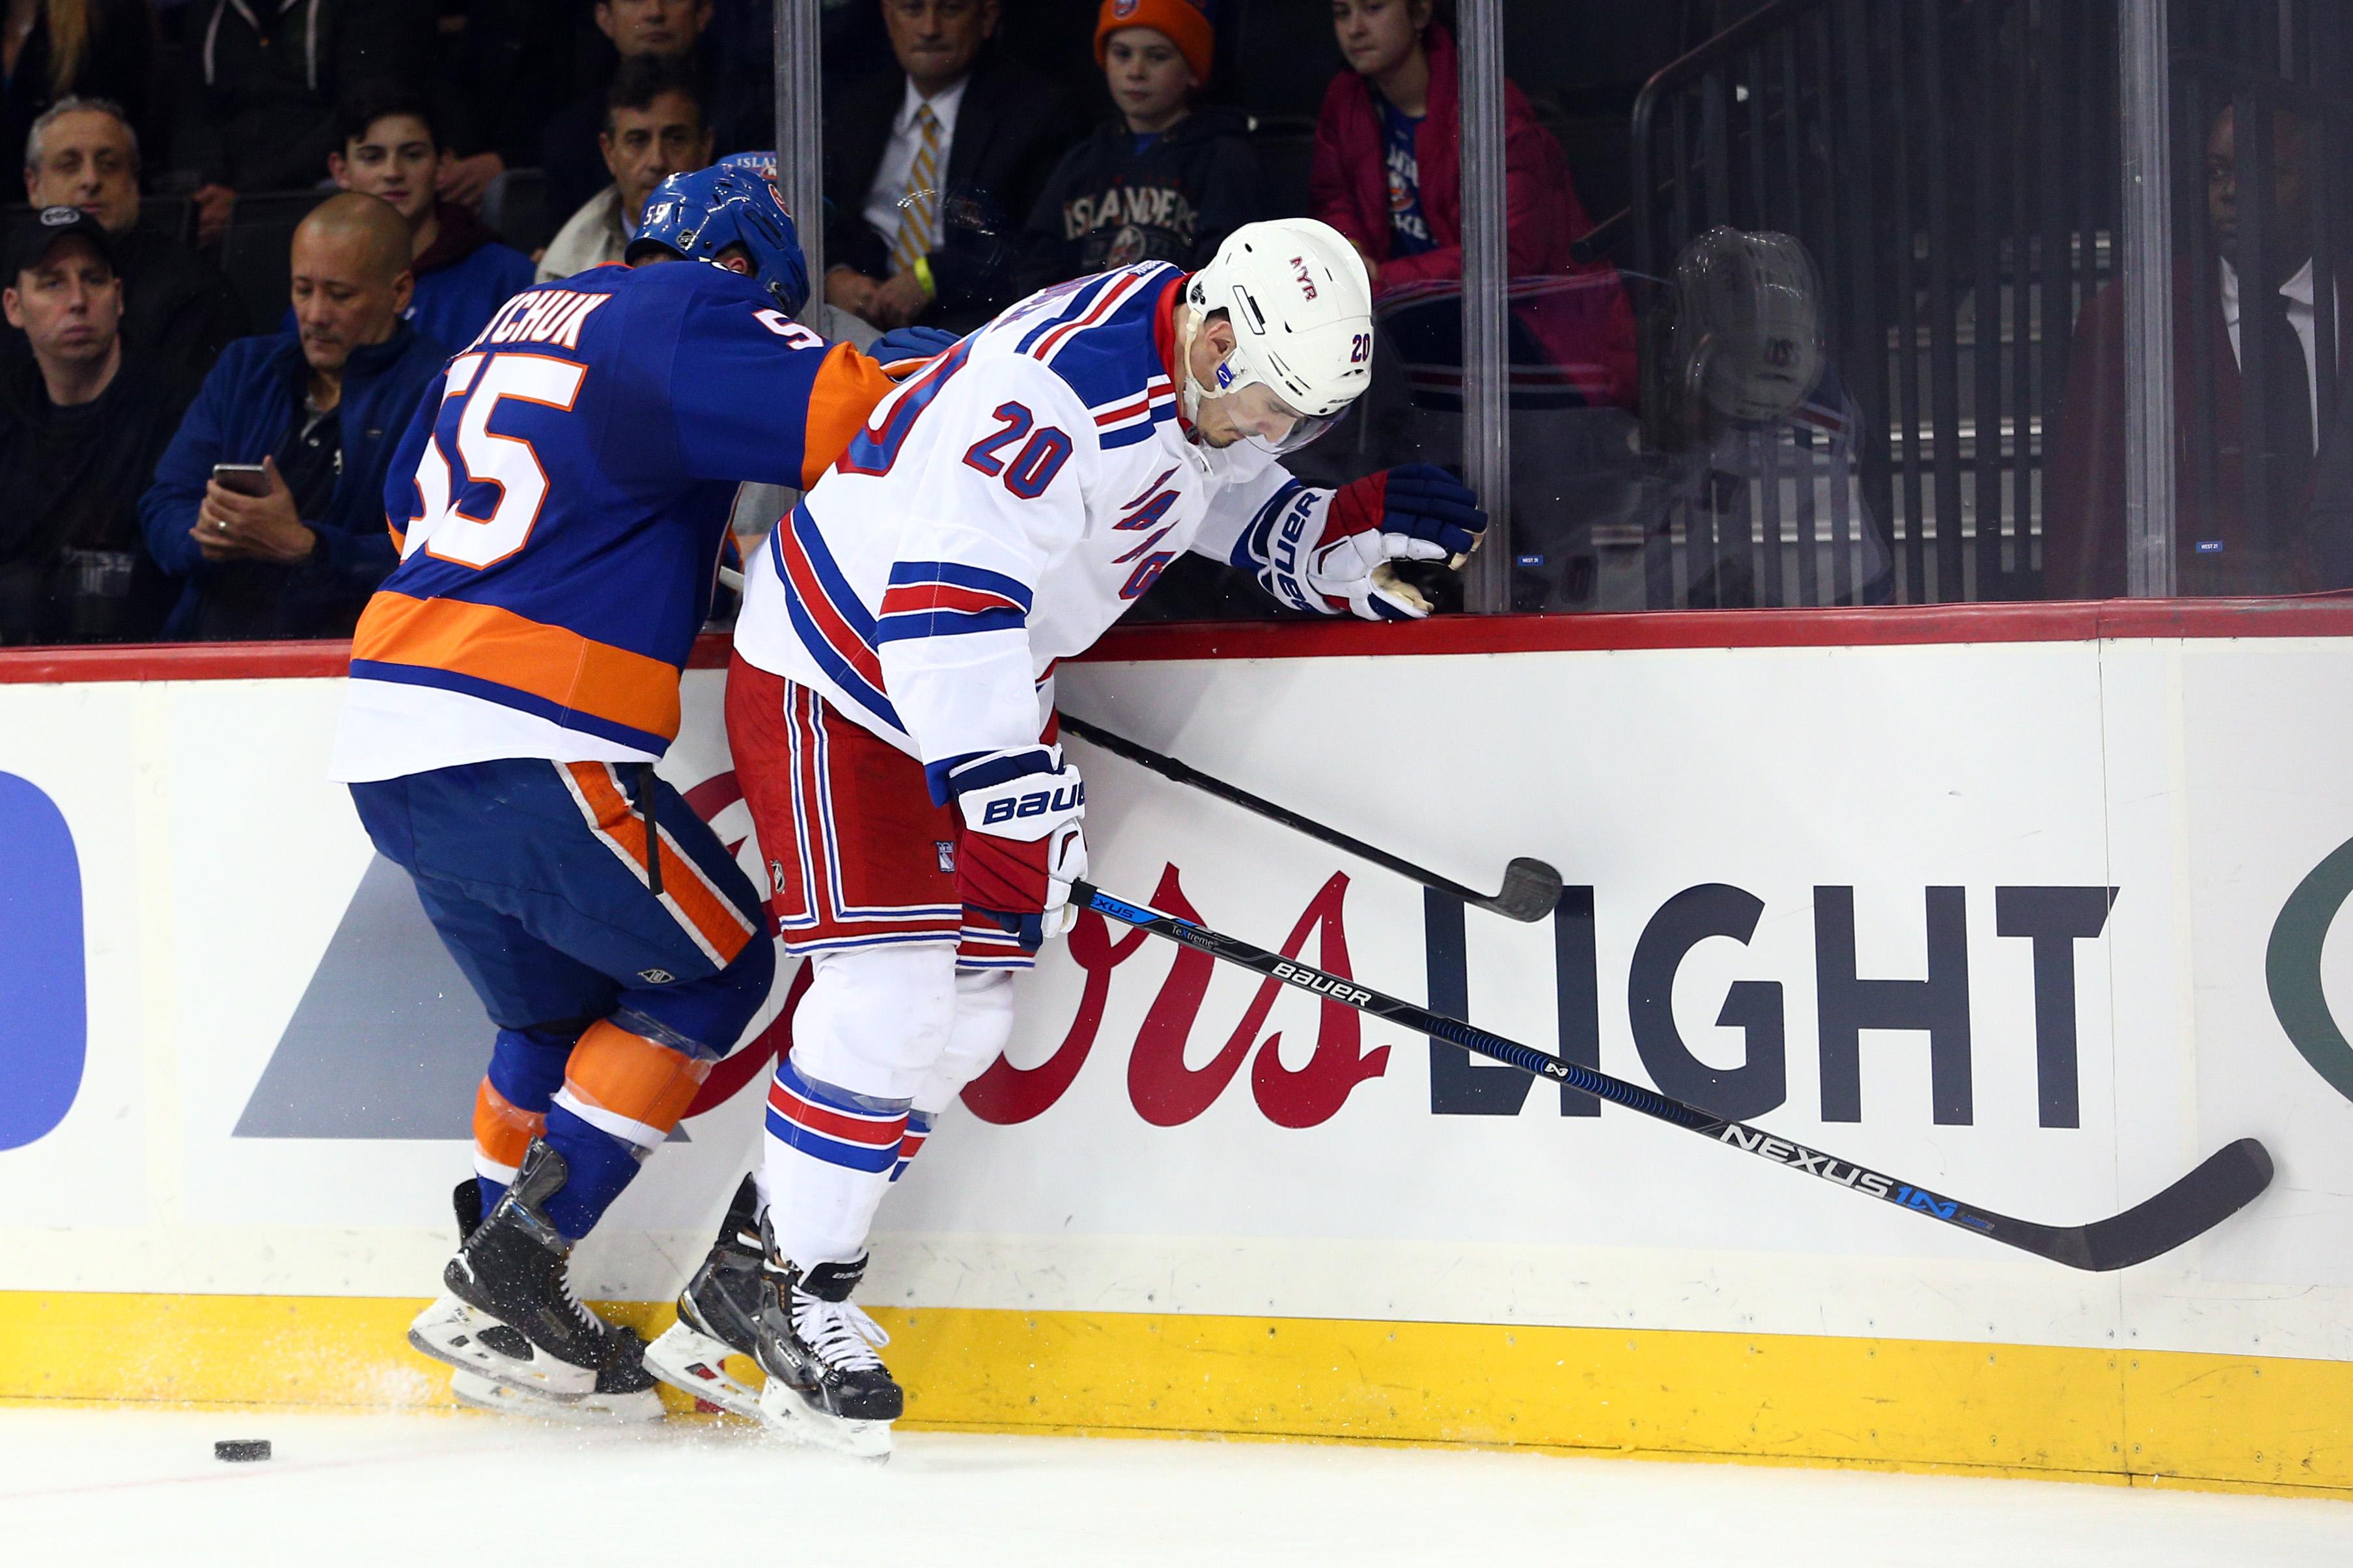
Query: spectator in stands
{"type": "Point", "coordinates": [258, 94]}
{"type": "Point", "coordinates": [322, 411]}
{"type": "Point", "coordinates": [178, 311]}
{"type": "Point", "coordinates": [2219, 549]}
{"type": "Point", "coordinates": [51, 50]}
{"type": "Point", "coordinates": [81, 425]}
{"type": "Point", "coordinates": [1389, 174]}
{"type": "Point", "coordinates": [925, 165]}
{"type": "Point", "coordinates": [391, 148]}
{"type": "Point", "coordinates": [640, 29]}
{"type": "Point", "coordinates": [1161, 180]}
{"type": "Point", "coordinates": [653, 129]}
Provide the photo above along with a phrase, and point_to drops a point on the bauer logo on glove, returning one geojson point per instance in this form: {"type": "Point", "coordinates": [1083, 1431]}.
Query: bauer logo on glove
{"type": "Point", "coordinates": [1011, 808]}
{"type": "Point", "coordinates": [1022, 845]}
{"type": "Point", "coordinates": [1335, 551]}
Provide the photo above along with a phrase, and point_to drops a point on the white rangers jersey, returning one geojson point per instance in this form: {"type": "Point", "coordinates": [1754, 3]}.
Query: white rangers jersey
{"type": "Point", "coordinates": [998, 514]}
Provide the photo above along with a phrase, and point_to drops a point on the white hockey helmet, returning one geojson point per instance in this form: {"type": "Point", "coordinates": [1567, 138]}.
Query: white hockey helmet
{"type": "Point", "coordinates": [1302, 308]}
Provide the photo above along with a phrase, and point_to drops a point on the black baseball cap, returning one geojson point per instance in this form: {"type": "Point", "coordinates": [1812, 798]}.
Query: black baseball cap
{"type": "Point", "coordinates": [30, 242]}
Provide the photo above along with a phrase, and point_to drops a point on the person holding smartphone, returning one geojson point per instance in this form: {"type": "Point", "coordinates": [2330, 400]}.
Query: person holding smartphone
{"type": "Point", "coordinates": [269, 505]}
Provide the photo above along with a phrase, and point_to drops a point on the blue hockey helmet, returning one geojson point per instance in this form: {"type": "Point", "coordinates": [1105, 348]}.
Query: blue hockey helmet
{"type": "Point", "coordinates": [734, 202]}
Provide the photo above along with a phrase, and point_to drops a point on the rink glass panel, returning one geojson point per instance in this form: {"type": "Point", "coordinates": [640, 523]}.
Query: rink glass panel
{"type": "Point", "coordinates": [1952, 176]}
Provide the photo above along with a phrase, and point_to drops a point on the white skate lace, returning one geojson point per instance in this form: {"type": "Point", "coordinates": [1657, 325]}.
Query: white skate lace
{"type": "Point", "coordinates": [580, 1312]}
{"type": "Point", "coordinates": [839, 1331]}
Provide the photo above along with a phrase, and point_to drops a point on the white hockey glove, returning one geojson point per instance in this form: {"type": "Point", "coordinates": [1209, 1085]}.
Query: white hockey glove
{"type": "Point", "coordinates": [1022, 845]}
{"type": "Point", "coordinates": [1416, 512]}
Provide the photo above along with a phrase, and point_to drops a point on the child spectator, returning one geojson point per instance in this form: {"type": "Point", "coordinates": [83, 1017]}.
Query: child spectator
{"type": "Point", "coordinates": [1161, 180]}
{"type": "Point", "coordinates": [654, 128]}
{"type": "Point", "coordinates": [81, 425]}
{"type": "Point", "coordinates": [1387, 174]}
{"type": "Point", "coordinates": [322, 410]}
{"type": "Point", "coordinates": [54, 49]}
{"type": "Point", "coordinates": [259, 83]}
{"type": "Point", "coordinates": [392, 148]}
{"type": "Point", "coordinates": [178, 311]}
{"type": "Point", "coordinates": [1389, 153]}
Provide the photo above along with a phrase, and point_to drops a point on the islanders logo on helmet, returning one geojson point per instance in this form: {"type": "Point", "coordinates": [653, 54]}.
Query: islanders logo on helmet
{"type": "Point", "coordinates": [761, 163]}
{"type": "Point", "coordinates": [701, 214]}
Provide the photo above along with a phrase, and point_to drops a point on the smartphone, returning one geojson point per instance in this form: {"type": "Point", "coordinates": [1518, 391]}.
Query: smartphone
{"type": "Point", "coordinates": [242, 479]}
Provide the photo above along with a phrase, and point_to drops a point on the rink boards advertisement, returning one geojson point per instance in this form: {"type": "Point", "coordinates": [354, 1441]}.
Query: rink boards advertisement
{"type": "Point", "coordinates": [2037, 922]}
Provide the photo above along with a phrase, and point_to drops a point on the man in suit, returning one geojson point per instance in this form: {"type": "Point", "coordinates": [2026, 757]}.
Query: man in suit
{"type": "Point", "coordinates": [931, 168]}
{"type": "Point", "coordinates": [2221, 546]}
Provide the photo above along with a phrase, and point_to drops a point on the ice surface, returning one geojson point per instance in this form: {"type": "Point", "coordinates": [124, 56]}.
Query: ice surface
{"type": "Point", "coordinates": [82, 1486]}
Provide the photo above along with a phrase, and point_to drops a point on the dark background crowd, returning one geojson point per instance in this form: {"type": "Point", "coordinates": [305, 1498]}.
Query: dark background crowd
{"type": "Point", "coordinates": [255, 230]}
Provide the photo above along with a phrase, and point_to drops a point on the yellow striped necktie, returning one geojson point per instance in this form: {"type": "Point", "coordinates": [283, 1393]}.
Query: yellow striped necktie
{"type": "Point", "coordinates": [919, 209]}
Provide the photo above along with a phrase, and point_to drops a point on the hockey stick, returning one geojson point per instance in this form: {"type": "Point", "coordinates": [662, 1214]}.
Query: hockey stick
{"type": "Point", "coordinates": [1531, 889]}
{"type": "Point", "coordinates": [2225, 1183]}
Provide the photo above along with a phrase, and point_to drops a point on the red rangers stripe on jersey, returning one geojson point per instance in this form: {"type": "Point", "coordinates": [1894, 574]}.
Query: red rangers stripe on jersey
{"type": "Point", "coordinates": [1112, 299]}
{"type": "Point", "coordinates": [949, 598]}
{"type": "Point", "coordinates": [834, 623]}
{"type": "Point", "coordinates": [1159, 391]}
{"type": "Point", "coordinates": [917, 598]}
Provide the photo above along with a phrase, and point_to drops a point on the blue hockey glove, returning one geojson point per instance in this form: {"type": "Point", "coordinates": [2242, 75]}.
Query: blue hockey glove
{"type": "Point", "coordinates": [911, 344]}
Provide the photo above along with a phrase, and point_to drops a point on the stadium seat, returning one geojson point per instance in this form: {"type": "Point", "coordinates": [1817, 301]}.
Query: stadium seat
{"type": "Point", "coordinates": [1286, 158]}
{"type": "Point", "coordinates": [1287, 57]}
{"type": "Point", "coordinates": [254, 252]}
{"type": "Point", "coordinates": [174, 215]}
{"type": "Point", "coordinates": [515, 203]}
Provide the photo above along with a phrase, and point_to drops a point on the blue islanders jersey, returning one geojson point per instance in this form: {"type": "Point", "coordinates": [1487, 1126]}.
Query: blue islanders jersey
{"type": "Point", "coordinates": [560, 503]}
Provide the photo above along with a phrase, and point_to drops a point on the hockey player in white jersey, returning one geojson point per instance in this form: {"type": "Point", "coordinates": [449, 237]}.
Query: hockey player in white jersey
{"type": "Point", "coordinates": [891, 712]}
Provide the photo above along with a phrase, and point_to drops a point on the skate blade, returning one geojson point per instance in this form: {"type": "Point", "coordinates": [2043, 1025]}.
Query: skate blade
{"type": "Point", "coordinates": [589, 1410]}
{"type": "Point", "coordinates": [695, 1362]}
{"type": "Point", "coordinates": [450, 1331]}
{"type": "Point", "coordinates": [785, 1413]}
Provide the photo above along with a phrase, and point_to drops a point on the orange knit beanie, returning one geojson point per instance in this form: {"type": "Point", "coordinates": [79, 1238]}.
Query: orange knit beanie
{"type": "Point", "coordinates": [1185, 23]}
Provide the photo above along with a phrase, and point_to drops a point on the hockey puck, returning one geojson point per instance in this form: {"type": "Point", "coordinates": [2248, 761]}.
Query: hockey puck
{"type": "Point", "coordinates": [241, 1450]}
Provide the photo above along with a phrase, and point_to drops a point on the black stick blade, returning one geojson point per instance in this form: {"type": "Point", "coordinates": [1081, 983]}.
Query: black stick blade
{"type": "Point", "coordinates": [1531, 892]}
{"type": "Point", "coordinates": [2230, 1178]}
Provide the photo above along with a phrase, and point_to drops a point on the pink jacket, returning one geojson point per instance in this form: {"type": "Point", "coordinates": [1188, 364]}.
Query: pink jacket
{"type": "Point", "coordinates": [1591, 328]}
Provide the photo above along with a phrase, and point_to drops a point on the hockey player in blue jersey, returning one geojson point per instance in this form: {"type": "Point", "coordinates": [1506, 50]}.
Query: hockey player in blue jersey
{"type": "Point", "coordinates": [560, 504]}
{"type": "Point", "coordinates": [891, 715]}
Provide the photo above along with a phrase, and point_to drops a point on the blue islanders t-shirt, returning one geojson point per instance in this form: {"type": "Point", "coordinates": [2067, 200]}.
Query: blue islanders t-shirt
{"type": "Point", "coordinates": [1408, 230]}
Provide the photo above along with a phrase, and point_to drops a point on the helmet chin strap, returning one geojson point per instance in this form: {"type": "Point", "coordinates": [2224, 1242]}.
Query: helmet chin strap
{"type": "Point", "coordinates": [1188, 404]}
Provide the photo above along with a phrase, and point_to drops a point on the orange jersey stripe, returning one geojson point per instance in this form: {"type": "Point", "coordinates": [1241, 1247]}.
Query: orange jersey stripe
{"type": "Point", "coordinates": [722, 925]}
{"type": "Point", "coordinates": [507, 649]}
{"type": "Point", "coordinates": [613, 1069]}
{"type": "Point", "coordinates": [503, 1130]}
{"type": "Point", "coordinates": [843, 395]}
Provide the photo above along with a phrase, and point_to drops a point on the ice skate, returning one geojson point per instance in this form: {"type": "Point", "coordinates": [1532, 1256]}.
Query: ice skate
{"type": "Point", "coordinates": [718, 1316]}
{"type": "Point", "coordinates": [510, 1316]}
{"type": "Point", "coordinates": [826, 1386]}
{"type": "Point", "coordinates": [479, 1393]}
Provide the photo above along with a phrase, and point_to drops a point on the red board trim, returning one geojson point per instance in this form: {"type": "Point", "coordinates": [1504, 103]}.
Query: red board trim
{"type": "Point", "coordinates": [2317, 616]}
{"type": "Point", "coordinates": [220, 661]}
